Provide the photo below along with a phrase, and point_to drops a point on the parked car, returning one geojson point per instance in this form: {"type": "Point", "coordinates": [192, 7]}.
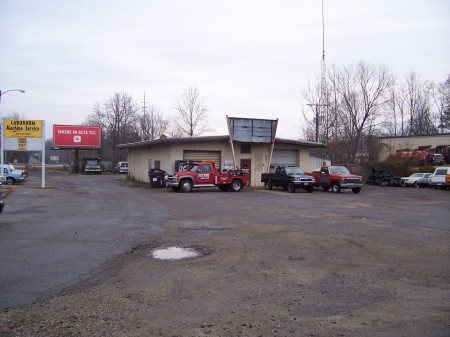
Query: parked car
{"type": "Point", "coordinates": [120, 167]}
{"type": "Point", "coordinates": [413, 178]}
{"type": "Point", "coordinates": [2, 202]}
{"type": "Point", "coordinates": [92, 165]}
{"type": "Point", "coordinates": [438, 178]}
{"type": "Point", "coordinates": [336, 178]}
{"type": "Point", "coordinates": [11, 166]}
{"type": "Point", "coordinates": [13, 176]}
{"type": "Point", "coordinates": [424, 182]}
{"type": "Point", "coordinates": [290, 178]}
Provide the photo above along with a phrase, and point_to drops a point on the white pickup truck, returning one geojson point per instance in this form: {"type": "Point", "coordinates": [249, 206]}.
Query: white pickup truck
{"type": "Point", "coordinates": [439, 178]}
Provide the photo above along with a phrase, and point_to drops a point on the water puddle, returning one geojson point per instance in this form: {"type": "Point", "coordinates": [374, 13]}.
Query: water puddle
{"type": "Point", "coordinates": [174, 253]}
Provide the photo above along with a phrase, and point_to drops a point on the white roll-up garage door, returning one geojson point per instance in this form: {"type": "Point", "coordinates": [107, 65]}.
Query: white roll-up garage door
{"type": "Point", "coordinates": [283, 158]}
{"type": "Point", "coordinates": [202, 155]}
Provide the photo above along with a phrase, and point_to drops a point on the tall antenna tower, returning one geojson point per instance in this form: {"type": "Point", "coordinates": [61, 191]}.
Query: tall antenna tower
{"type": "Point", "coordinates": [321, 107]}
{"type": "Point", "coordinates": [144, 107]}
{"type": "Point", "coordinates": [323, 82]}
{"type": "Point", "coordinates": [144, 124]}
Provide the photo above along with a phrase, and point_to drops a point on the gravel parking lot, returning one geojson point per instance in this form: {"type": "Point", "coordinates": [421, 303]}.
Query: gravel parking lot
{"type": "Point", "coordinates": [76, 260]}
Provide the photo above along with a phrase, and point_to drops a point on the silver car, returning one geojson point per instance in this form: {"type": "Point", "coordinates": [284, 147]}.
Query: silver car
{"type": "Point", "coordinates": [413, 178]}
{"type": "Point", "coordinates": [120, 167]}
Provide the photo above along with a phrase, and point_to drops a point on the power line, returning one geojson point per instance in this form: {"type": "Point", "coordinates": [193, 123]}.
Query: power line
{"type": "Point", "coordinates": [49, 103]}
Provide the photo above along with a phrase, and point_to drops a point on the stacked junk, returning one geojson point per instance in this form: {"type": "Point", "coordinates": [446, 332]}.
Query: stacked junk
{"type": "Point", "coordinates": [427, 155]}
{"type": "Point", "coordinates": [423, 155]}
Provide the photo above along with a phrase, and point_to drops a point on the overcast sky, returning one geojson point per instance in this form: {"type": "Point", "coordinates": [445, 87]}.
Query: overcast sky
{"type": "Point", "coordinates": [248, 58]}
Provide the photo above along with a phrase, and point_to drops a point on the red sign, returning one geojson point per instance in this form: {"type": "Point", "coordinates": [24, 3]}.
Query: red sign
{"type": "Point", "coordinates": [77, 136]}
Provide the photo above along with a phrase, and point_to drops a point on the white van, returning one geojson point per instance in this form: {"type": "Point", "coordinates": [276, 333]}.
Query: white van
{"type": "Point", "coordinates": [438, 178]}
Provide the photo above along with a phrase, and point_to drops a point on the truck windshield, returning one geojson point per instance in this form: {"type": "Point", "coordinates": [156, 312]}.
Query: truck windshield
{"type": "Point", "coordinates": [91, 162]}
{"type": "Point", "coordinates": [294, 170]}
{"type": "Point", "coordinates": [339, 170]}
{"type": "Point", "coordinates": [193, 167]}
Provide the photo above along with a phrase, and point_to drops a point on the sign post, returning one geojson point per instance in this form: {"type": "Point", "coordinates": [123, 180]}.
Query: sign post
{"type": "Point", "coordinates": [23, 135]}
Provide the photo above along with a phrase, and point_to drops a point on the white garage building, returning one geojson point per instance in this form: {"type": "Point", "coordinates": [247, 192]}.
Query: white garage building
{"type": "Point", "coordinates": [166, 154]}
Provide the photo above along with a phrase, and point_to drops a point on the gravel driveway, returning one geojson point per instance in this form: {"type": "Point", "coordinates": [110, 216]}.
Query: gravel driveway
{"type": "Point", "coordinates": [76, 260]}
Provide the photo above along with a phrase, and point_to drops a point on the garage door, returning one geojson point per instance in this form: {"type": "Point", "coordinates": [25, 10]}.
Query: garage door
{"type": "Point", "coordinates": [283, 158]}
{"type": "Point", "coordinates": [202, 155]}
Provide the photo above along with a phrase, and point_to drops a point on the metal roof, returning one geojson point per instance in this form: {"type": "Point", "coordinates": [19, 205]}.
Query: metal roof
{"type": "Point", "coordinates": [165, 140]}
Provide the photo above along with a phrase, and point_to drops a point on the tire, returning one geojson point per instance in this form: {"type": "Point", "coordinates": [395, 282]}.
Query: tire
{"type": "Point", "coordinates": [309, 189]}
{"type": "Point", "coordinates": [402, 183]}
{"type": "Point", "coordinates": [10, 181]}
{"type": "Point", "coordinates": [236, 185]}
{"type": "Point", "coordinates": [415, 184]}
{"type": "Point", "coordinates": [186, 185]}
{"type": "Point", "coordinates": [268, 184]}
{"type": "Point", "coordinates": [385, 183]}
{"type": "Point", "coordinates": [336, 188]}
{"type": "Point", "coordinates": [290, 187]}
{"type": "Point", "coordinates": [356, 189]}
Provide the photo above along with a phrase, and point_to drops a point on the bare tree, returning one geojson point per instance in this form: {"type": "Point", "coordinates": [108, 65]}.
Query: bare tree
{"type": "Point", "coordinates": [152, 124]}
{"type": "Point", "coordinates": [417, 100]}
{"type": "Point", "coordinates": [364, 90]}
{"type": "Point", "coordinates": [190, 119]}
{"type": "Point", "coordinates": [117, 118]}
{"type": "Point", "coordinates": [442, 101]}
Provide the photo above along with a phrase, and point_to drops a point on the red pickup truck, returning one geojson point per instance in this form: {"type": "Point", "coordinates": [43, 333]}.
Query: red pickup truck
{"type": "Point", "coordinates": [337, 178]}
{"type": "Point", "coordinates": [205, 174]}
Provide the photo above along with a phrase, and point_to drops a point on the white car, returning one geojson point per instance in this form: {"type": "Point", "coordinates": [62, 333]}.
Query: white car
{"type": "Point", "coordinates": [439, 178]}
{"type": "Point", "coordinates": [120, 167]}
{"type": "Point", "coordinates": [412, 179]}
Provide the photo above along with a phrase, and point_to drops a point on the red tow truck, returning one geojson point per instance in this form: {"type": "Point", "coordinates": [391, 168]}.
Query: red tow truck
{"type": "Point", "coordinates": [205, 174]}
{"type": "Point", "coordinates": [336, 178]}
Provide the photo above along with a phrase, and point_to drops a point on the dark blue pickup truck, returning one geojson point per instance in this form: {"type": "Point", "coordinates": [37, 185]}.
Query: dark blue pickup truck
{"type": "Point", "coordinates": [290, 178]}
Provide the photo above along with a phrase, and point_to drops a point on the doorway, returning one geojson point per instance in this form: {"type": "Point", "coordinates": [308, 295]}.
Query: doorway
{"type": "Point", "coordinates": [246, 165]}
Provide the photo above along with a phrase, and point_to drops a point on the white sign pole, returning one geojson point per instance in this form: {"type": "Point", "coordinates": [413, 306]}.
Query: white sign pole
{"type": "Point", "coordinates": [43, 154]}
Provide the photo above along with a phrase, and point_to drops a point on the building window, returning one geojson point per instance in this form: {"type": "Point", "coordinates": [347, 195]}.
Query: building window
{"type": "Point", "coordinates": [246, 148]}
{"type": "Point", "coordinates": [157, 164]}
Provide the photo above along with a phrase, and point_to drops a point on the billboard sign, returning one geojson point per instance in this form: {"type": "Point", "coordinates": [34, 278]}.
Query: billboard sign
{"type": "Point", "coordinates": [77, 136]}
{"type": "Point", "coordinates": [252, 130]}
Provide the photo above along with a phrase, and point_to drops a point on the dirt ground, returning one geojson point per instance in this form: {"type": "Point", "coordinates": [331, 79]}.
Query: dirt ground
{"type": "Point", "coordinates": [271, 263]}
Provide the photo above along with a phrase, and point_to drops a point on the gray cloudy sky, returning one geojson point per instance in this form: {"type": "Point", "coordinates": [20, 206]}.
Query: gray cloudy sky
{"type": "Point", "coordinates": [248, 58]}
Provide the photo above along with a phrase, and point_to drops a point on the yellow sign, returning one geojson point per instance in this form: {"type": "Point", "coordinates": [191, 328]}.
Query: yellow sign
{"type": "Point", "coordinates": [22, 128]}
{"type": "Point", "coordinates": [21, 144]}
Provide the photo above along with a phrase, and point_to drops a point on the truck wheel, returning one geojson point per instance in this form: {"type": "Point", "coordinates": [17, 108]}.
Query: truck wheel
{"type": "Point", "coordinates": [336, 188]}
{"type": "Point", "coordinates": [268, 185]}
{"type": "Point", "coordinates": [290, 187]}
{"type": "Point", "coordinates": [385, 183]}
{"type": "Point", "coordinates": [356, 189]}
{"type": "Point", "coordinates": [9, 181]}
{"type": "Point", "coordinates": [236, 185]}
{"type": "Point", "coordinates": [186, 185]}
